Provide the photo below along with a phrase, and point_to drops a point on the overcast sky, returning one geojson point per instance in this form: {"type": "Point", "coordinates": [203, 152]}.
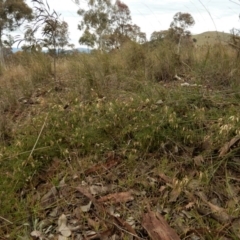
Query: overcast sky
{"type": "Point", "coordinates": [155, 15]}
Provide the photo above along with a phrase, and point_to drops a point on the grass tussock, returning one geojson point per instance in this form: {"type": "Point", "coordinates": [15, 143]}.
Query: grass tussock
{"type": "Point", "coordinates": [169, 123]}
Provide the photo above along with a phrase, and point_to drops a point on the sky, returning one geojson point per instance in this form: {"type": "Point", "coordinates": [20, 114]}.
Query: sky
{"type": "Point", "coordinates": [156, 15]}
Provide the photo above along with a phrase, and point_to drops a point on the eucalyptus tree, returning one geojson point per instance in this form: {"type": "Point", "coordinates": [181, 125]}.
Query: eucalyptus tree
{"type": "Point", "coordinates": [178, 27]}
{"type": "Point", "coordinates": [56, 43]}
{"type": "Point", "coordinates": [106, 25]}
{"type": "Point", "coordinates": [159, 35]}
{"type": "Point", "coordinates": [122, 27]}
{"type": "Point", "coordinates": [54, 31]}
{"type": "Point", "coordinates": [95, 21]}
{"type": "Point", "coordinates": [12, 15]}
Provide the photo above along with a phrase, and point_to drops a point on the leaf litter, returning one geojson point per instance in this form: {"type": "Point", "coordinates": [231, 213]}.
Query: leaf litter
{"type": "Point", "coordinates": [101, 207]}
{"type": "Point", "coordinates": [110, 200]}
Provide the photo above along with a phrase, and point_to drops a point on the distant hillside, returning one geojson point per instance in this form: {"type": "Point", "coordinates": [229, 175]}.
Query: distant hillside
{"type": "Point", "coordinates": [211, 38]}
{"type": "Point", "coordinates": [84, 50]}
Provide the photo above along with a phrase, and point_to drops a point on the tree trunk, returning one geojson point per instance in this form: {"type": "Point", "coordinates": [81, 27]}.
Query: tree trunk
{"type": "Point", "coordinates": [179, 44]}
{"type": "Point", "coordinates": [2, 62]}
{"type": "Point", "coordinates": [55, 58]}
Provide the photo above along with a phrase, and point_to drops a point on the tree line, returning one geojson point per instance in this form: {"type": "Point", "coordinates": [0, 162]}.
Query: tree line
{"type": "Point", "coordinates": [104, 25]}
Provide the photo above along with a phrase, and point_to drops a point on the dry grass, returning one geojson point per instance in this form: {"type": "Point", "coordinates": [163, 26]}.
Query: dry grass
{"type": "Point", "coordinates": [211, 38]}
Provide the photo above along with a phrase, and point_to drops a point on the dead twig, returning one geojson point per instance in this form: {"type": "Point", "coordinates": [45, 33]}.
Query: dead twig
{"type": "Point", "coordinates": [39, 135]}
{"type": "Point", "coordinates": [6, 220]}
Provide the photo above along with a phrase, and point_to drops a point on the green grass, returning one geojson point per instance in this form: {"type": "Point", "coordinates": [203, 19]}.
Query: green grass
{"type": "Point", "coordinates": [104, 108]}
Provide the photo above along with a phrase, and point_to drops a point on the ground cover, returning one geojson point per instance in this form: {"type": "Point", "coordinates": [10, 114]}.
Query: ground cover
{"type": "Point", "coordinates": [127, 144]}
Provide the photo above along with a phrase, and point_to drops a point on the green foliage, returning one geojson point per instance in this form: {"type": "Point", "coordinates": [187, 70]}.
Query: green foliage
{"type": "Point", "coordinates": [181, 21]}
{"type": "Point", "coordinates": [158, 35]}
{"type": "Point", "coordinates": [177, 33]}
{"type": "Point", "coordinates": [94, 22]}
{"type": "Point", "coordinates": [108, 26]}
{"type": "Point", "coordinates": [12, 14]}
{"type": "Point", "coordinates": [56, 35]}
